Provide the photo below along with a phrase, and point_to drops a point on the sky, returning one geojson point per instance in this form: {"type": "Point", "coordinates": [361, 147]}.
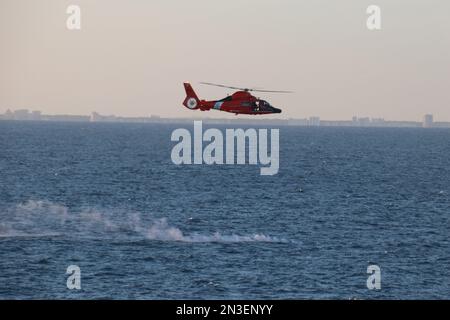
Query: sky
{"type": "Point", "coordinates": [130, 58]}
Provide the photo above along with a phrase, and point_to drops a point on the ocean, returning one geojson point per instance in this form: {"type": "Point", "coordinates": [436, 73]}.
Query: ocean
{"type": "Point", "coordinates": [107, 198]}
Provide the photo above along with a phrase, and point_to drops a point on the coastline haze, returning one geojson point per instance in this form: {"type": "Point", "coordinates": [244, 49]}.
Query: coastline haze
{"type": "Point", "coordinates": [131, 59]}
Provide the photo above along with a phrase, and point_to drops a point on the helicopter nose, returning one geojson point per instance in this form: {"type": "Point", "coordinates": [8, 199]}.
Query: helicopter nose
{"type": "Point", "coordinates": [276, 110]}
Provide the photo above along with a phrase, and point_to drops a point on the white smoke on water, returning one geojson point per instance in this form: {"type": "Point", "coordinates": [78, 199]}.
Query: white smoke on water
{"type": "Point", "coordinates": [47, 219]}
{"type": "Point", "coordinates": [162, 231]}
{"type": "Point", "coordinates": [33, 219]}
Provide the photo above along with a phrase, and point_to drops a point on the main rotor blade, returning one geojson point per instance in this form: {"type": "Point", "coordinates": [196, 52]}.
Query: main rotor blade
{"type": "Point", "coordinates": [272, 91]}
{"type": "Point", "coordinates": [244, 89]}
{"type": "Point", "coordinates": [222, 86]}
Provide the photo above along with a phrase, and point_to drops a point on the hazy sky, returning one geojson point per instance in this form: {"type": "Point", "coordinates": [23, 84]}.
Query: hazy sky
{"type": "Point", "coordinates": [131, 57]}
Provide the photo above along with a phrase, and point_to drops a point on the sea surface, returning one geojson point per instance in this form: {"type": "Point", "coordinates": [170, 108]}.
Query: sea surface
{"type": "Point", "coordinates": [107, 198]}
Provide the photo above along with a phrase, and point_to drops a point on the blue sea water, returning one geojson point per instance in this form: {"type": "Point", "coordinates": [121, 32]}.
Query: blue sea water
{"type": "Point", "coordinates": [108, 198]}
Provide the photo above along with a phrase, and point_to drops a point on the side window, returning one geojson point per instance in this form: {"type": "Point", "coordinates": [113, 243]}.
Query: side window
{"type": "Point", "coordinates": [245, 104]}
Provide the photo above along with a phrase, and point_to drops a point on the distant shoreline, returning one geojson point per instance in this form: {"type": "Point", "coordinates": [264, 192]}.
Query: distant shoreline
{"type": "Point", "coordinates": [36, 115]}
{"type": "Point", "coordinates": [265, 122]}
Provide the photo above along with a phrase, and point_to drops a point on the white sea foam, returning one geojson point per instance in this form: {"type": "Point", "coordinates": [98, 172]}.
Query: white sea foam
{"type": "Point", "coordinates": [162, 231]}
{"type": "Point", "coordinates": [37, 218]}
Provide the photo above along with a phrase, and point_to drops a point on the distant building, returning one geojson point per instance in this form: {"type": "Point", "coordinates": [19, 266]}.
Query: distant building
{"type": "Point", "coordinates": [64, 117]}
{"type": "Point", "coordinates": [22, 114]}
{"type": "Point", "coordinates": [335, 123]}
{"type": "Point", "coordinates": [297, 122]}
{"type": "Point", "coordinates": [427, 121]}
{"type": "Point", "coordinates": [35, 115]}
{"type": "Point", "coordinates": [8, 115]}
{"type": "Point", "coordinates": [364, 121]}
{"type": "Point", "coordinates": [96, 117]}
{"type": "Point", "coordinates": [377, 120]}
{"type": "Point", "coordinates": [441, 124]}
{"type": "Point", "coordinates": [314, 121]}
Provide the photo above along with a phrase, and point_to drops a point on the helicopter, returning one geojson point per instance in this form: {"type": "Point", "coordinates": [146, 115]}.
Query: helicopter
{"type": "Point", "coordinates": [240, 102]}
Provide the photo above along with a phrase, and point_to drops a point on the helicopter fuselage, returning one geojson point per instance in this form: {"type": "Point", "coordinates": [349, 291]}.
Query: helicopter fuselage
{"type": "Point", "coordinates": [240, 102]}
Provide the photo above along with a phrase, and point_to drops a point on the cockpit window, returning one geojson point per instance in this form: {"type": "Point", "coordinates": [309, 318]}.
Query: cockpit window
{"type": "Point", "coordinates": [226, 99]}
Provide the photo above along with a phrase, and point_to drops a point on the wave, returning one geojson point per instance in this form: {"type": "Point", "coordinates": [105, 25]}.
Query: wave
{"type": "Point", "coordinates": [14, 234]}
{"type": "Point", "coordinates": [40, 218]}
